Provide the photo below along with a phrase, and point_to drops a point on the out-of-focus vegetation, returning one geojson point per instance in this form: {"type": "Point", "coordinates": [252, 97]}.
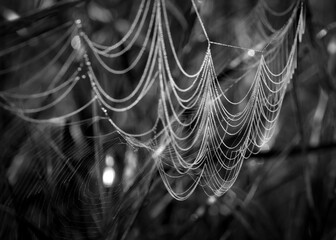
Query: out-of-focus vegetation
{"type": "Point", "coordinates": [51, 189]}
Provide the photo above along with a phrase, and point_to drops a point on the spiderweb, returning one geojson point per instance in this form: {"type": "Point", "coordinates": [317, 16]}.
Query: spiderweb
{"type": "Point", "coordinates": [198, 135]}
{"type": "Point", "coordinates": [205, 136]}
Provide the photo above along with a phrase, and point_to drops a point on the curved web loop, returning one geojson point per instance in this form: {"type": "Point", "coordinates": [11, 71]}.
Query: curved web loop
{"type": "Point", "coordinates": [205, 135]}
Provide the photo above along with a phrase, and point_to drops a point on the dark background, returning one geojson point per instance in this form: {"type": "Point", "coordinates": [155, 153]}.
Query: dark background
{"type": "Point", "coordinates": [50, 188]}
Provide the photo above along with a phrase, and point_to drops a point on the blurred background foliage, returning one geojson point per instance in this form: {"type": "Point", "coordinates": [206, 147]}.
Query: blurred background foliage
{"type": "Point", "coordinates": [285, 192]}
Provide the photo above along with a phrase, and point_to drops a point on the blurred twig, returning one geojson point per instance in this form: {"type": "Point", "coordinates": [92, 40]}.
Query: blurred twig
{"type": "Point", "coordinates": [297, 150]}
{"type": "Point", "coordinates": [297, 108]}
{"type": "Point", "coordinates": [29, 20]}
{"type": "Point", "coordinates": [136, 214]}
{"type": "Point", "coordinates": [317, 53]}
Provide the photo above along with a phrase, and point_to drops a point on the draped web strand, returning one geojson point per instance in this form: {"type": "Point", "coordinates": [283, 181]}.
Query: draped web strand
{"type": "Point", "coordinates": [205, 135]}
